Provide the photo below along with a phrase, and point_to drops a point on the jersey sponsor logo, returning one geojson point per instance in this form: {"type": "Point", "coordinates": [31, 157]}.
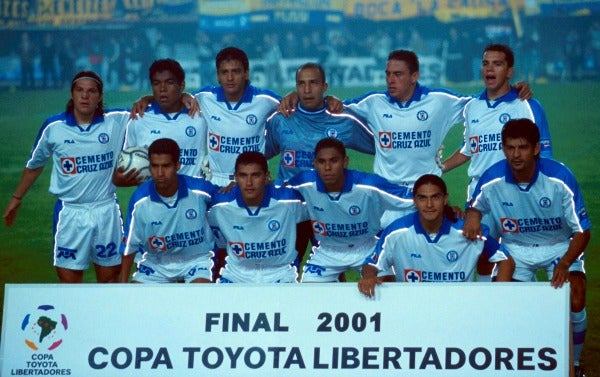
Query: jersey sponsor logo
{"type": "Point", "coordinates": [503, 118]}
{"type": "Point", "coordinates": [385, 139]}
{"type": "Point", "coordinates": [485, 143]}
{"type": "Point", "coordinates": [474, 144]}
{"type": "Point", "coordinates": [545, 202]}
{"type": "Point", "coordinates": [331, 132]}
{"type": "Point", "coordinates": [509, 225]}
{"type": "Point", "coordinates": [233, 145]}
{"type": "Point", "coordinates": [413, 276]}
{"type": "Point", "coordinates": [452, 256]}
{"type": "Point", "coordinates": [251, 119]}
{"type": "Point", "coordinates": [157, 243]}
{"type": "Point", "coordinates": [103, 138]}
{"type": "Point", "coordinates": [274, 225]}
{"type": "Point", "coordinates": [66, 253]}
{"type": "Point", "coordinates": [188, 156]}
{"type": "Point", "coordinates": [68, 165]}
{"type": "Point", "coordinates": [238, 249]}
{"type": "Point", "coordinates": [354, 210]}
{"type": "Point", "coordinates": [191, 214]}
{"type": "Point", "coordinates": [214, 142]}
{"type": "Point", "coordinates": [318, 228]}
{"type": "Point", "coordinates": [289, 159]}
{"type": "Point", "coordinates": [422, 115]}
{"type": "Point", "coordinates": [190, 131]}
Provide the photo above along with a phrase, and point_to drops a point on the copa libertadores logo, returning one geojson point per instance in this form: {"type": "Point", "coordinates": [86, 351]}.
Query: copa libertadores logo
{"type": "Point", "coordinates": [43, 331]}
{"type": "Point", "coordinates": [44, 328]}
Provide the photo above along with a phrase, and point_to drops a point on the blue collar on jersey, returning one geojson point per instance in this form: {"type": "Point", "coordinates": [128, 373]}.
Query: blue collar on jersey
{"type": "Point", "coordinates": [70, 119]}
{"type": "Point", "coordinates": [156, 109]}
{"type": "Point", "coordinates": [348, 182]}
{"type": "Point", "coordinates": [246, 97]}
{"type": "Point", "coordinates": [318, 111]}
{"type": "Point", "coordinates": [182, 191]}
{"type": "Point", "coordinates": [263, 204]}
{"type": "Point", "coordinates": [444, 229]}
{"type": "Point", "coordinates": [417, 94]}
{"type": "Point", "coordinates": [510, 178]}
{"type": "Point", "coordinates": [512, 95]}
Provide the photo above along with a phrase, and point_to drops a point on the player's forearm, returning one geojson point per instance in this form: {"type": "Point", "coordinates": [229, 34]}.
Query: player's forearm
{"type": "Point", "coordinates": [506, 269]}
{"type": "Point", "coordinates": [28, 178]}
{"type": "Point", "coordinates": [126, 264]}
{"type": "Point", "coordinates": [576, 247]}
{"type": "Point", "coordinates": [454, 161]}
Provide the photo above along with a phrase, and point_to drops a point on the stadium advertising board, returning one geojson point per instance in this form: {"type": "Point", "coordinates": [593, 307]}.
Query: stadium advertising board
{"type": "Point", "coordinates": [462, 329]}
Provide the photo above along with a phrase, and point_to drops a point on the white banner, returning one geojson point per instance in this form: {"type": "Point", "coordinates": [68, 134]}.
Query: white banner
{"type": "Point", "coordinates": [464, 329]}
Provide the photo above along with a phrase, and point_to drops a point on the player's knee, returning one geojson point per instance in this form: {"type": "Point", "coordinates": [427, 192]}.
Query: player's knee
{"type": "Point", "coordinates": [577, 281]}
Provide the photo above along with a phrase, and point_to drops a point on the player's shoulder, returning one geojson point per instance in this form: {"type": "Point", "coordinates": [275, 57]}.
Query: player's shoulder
{"type": "Point", "coordinates": [302, 178]}
{"type": "Point", "coordinates": [142, 192]}
{"type": "Point", "coordinates": [265, 94]}
{"type": "Point", "coordinates": [400, 225]}
{"type": "Point", "coordinates": [197, 183]}
{"type": "Point", "coordinates": [555, 169]}
{"type": "Point", "coordinates": [497, 170]}
{"type": "Point", "coordinates": [283, 193]}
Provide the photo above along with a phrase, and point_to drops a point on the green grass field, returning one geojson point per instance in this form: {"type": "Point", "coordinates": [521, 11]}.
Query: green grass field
{"type": "Point", "coordinates": [25, 254]}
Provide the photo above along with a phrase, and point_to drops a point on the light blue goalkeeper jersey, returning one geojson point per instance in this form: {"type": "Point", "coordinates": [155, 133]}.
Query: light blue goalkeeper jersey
{"type": "Point", "coordinates": [295, 138]}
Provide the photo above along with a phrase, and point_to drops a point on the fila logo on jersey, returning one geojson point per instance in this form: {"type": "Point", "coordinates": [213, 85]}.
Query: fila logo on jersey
{"type": "Point", "coordinates": [157, 243]}
{"type": "Point", "coordinates": [238, 249]}
{"type": "Point", "coordinates": [509, 225]}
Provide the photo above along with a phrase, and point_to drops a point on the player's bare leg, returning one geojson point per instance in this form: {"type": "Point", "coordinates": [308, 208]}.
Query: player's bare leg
{"type": "Point", "coordinates": [69, 276]}
{"type": "Point", "coordinates": [201, 280]}
{"type": "Point", "coordinates": [107, 274]}
{"type": "Point", "coordinates": [577, 282]}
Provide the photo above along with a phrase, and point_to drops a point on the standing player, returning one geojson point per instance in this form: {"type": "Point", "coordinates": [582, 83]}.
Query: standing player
{"type": "Point", "coordinates": [167, 117]}
{"type": "Point", "coordinates": [235, 113]}
{"type": "Point", "coordinates": [84, 143]}
{"type": "Point", "coordinates": [537, 205]}
{"type": "Point", "coordinates": [167, 223]}
{"type": "Point", "coordinates": [486, 114]}
{"type": "Point", "coordinates": [294, 137]}
{"type": "Point", "coordinates": [409, 122]}
{"type": "Point", "coordinates": [428, 246]}
{"type": "Point", "coordinates": [257, 222]}
{"type": "Point", "coordinates": [345, 208]}
{"type": "Point", "coordinates": [484, 118]}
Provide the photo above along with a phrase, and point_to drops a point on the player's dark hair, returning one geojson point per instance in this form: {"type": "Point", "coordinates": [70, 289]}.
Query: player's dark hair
{"type": "Point", "coordinates": [90, 75]}
{"type": "Point", "coordinates": [521, 128]}
{"type": "Point", "coordinates": [439, 182]}
{"type": "Point", "coordinates": [316, 66]}
{"type": "Point", "coordinates": [507, 51]}
{"type": "Point", "coordinates": [165, 146]}
{"type": "Point", "coordinates": [330, 142]}
{"type": "Point", "coordinates": [409, 57]}
{"type": "Point", "coordinates": [246, 158]}
{"type": "Point", "coordinates": [169, 65]}
{"type": "Point", "coordinates": [232, 53]}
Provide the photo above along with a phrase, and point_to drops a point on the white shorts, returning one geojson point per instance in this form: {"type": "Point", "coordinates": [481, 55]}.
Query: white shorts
{"type": "Point", "coordinates": [529, 259]}
{"type": "Point", "coordinates": [149, 271]}
{"type": "Point", "coordinates": [258, 274]}
{"type": "Point", "coordinates": [325, 265]}
{"type": "Point", "coordinates": [85, 233]}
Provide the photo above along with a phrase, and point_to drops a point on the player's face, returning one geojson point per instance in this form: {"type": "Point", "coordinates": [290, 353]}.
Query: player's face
{"type": "Point", "coordinates": [86, 97]}
{"type": "Point", "coordinates": [430, 201]}
{"type": "Point", "coordinates": [311, 88]}
{"type": "Point", "coordinates": [495, 73]}
{"type": "Point", "coordinates": [164, 172]}
{"type": "Point", "coordinates": [167, 91]}
{"type": "Point", "coordinates": [521, 157]}
{"type": "Point", "coordinates": [251, 179]}
{"type": "Point", "coordinates": [330, 165]}
{"type": "Point", "coordinates": [400, 82]}
{"type": "Point", "coordinates": [232, 77]}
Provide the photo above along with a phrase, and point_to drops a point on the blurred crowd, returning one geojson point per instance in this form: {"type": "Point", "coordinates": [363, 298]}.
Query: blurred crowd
{"type": "Point", "coordinates": [568, 50]}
